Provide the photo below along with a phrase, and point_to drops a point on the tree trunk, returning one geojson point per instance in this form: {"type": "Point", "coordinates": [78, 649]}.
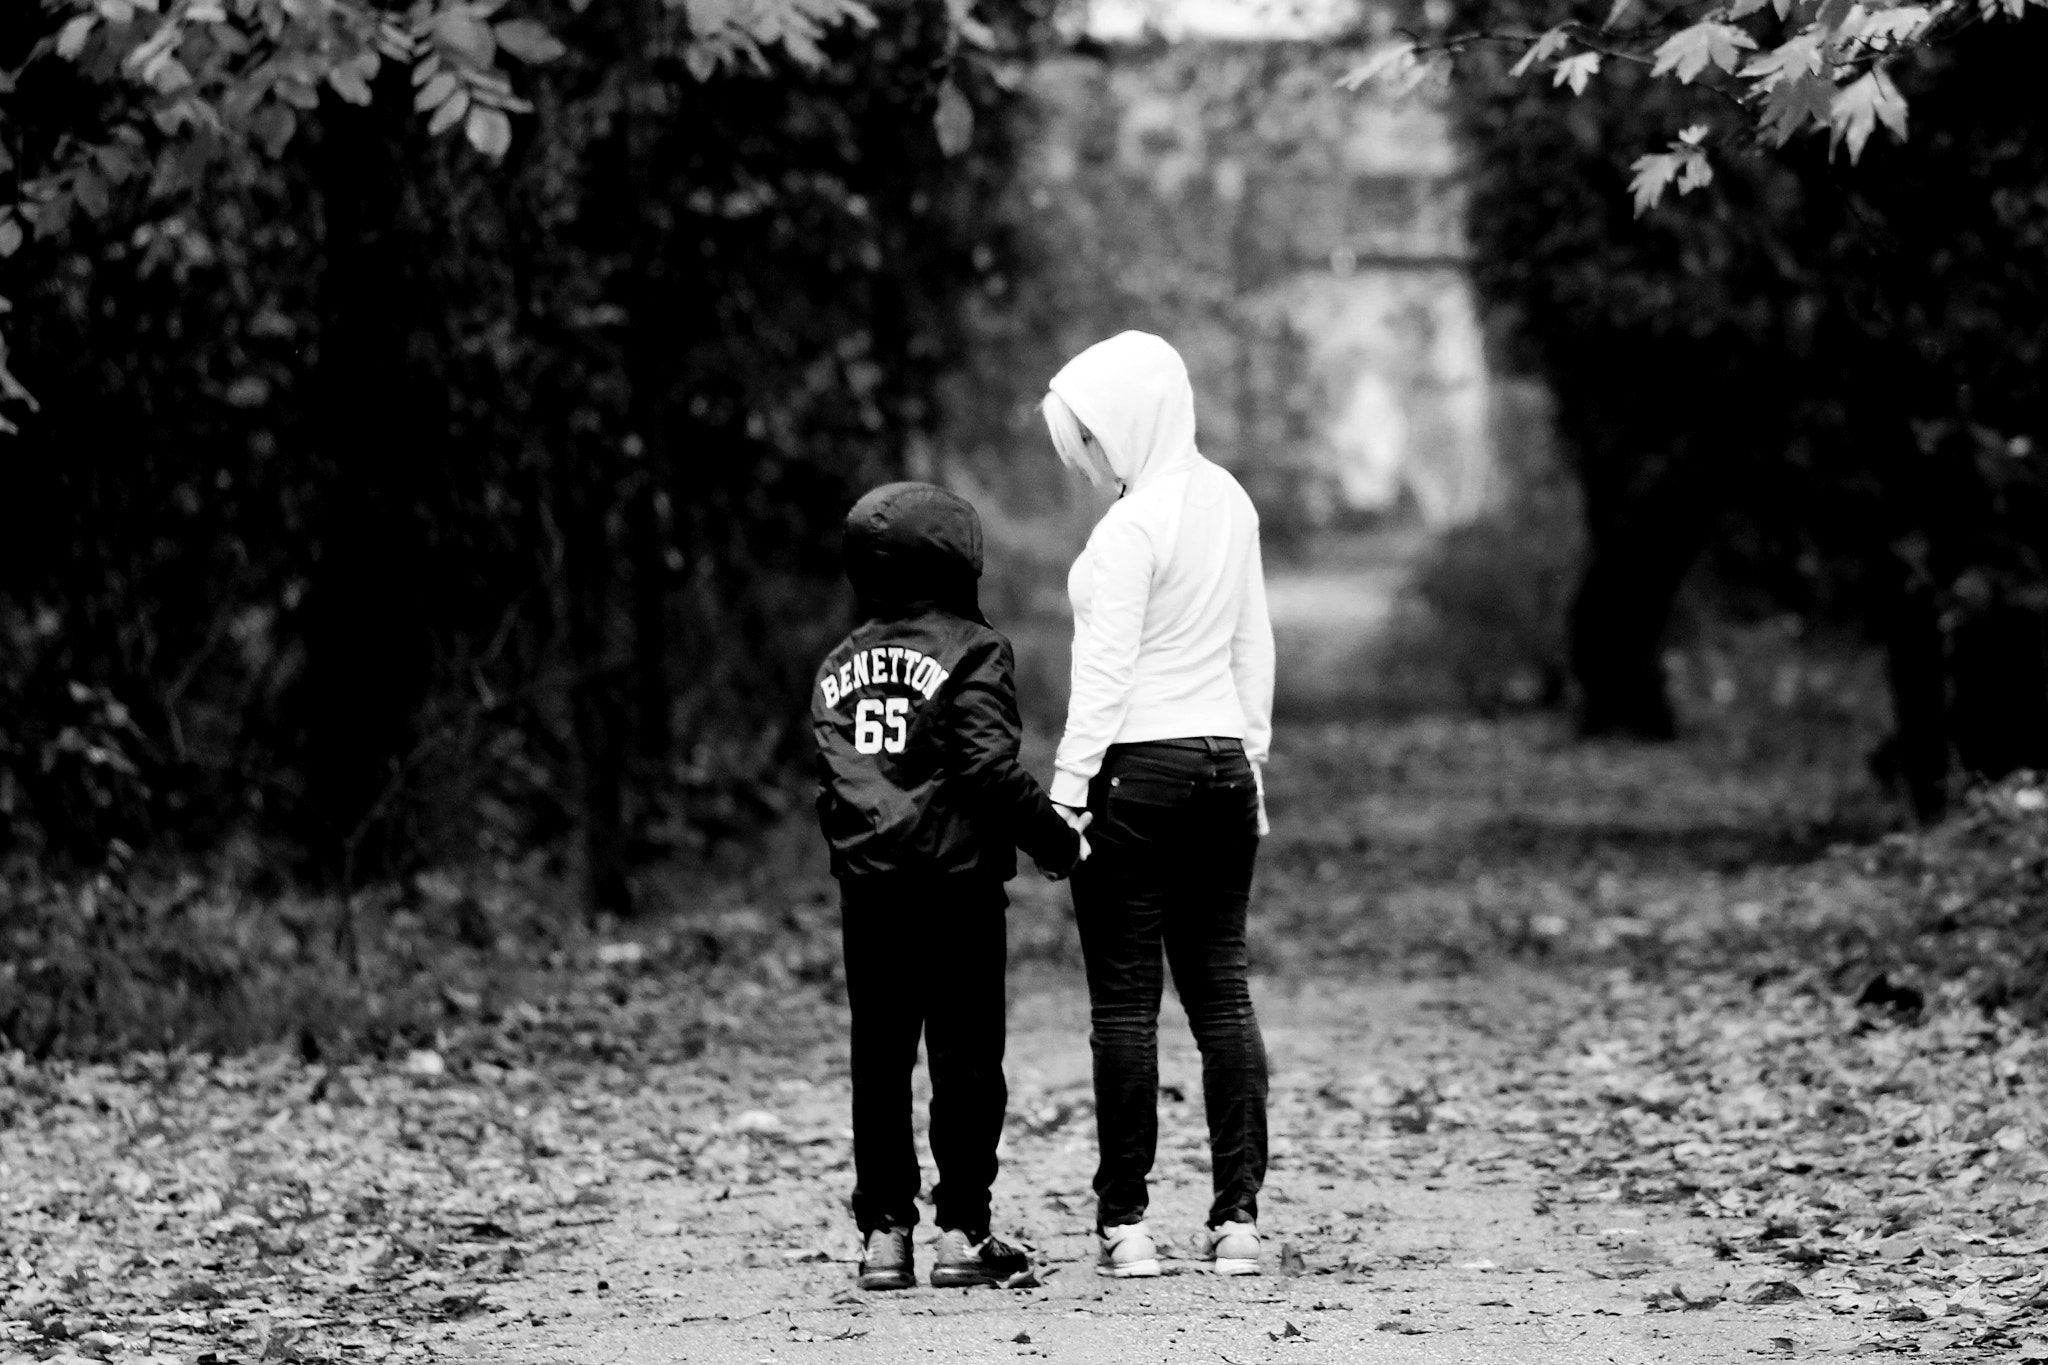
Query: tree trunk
{"type": "Point", "coordinates": [1639, 554]}
{"type": "Point", "coordinates": [651, 366]}
{"type": "Point", "coordinates": [597, 725]}
{"type": "Point", "coordinates": [653, 727]}
{"type": "Point", "coordinates": [1616, 630]}
{"type": "Point", "coordinates": [1966, 650]}
{"type": "Point", "coordinates": [364, 620]}
{"type": "Point", "coordinates": [1998, 685]}
{"type": "Point", "coordinates": [1915, 757]}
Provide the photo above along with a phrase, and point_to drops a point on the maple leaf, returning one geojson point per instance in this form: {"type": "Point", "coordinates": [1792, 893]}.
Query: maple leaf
{"type": "Point", "coordinates": [1551, 42]}
{"type": "Point", "coordinates": [1690, 51]}
{"type": "Point", "coordinates": [1887, 28]}
{"type": "Point", "coordinates": [1577, 72]}
{"type": "Point", "coordinates": [1795, 57]}
{"type": "Point", "coordinates": [1684, 166]}
{"type": "Point", "coordinates": [1790, 106]}
{"type": "Point", "coordinates": [1654, 173]}
{"type": "Point", "coordinates": [1858, 109]}
{"type": "Point", "coordinates": [1830, 15]}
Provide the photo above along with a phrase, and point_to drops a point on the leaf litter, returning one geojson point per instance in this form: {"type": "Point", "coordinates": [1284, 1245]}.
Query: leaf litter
{"type": "Point", "coordinates": [1800, 1059]}
{"type": "Point", "coordinates": [180, 1207]}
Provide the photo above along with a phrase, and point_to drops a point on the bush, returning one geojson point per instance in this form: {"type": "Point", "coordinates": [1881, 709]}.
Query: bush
{"type": "Point", "coordinates": [395, 506]}
{"type": "Point", "coordinates": [106, 965]}
{"type": "Point", "coordinates": [1482, 621]}
{"type": "Point", "coordinates": [1828, 378]}
{"type": "Point", "coordinates": [1487, 613]}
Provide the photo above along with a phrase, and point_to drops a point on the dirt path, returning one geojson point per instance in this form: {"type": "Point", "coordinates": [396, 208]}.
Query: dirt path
{"type": "Point", "coordinates": [1330, 615]}
{"type": "Point", "coordinates": [1437, 1245]}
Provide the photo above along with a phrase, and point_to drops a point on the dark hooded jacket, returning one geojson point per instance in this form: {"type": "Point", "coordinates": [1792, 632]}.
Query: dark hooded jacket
{"type": "Point", "coordinates": [915, 711]}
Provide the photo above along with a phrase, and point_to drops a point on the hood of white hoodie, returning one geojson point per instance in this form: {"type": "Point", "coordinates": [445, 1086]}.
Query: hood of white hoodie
{"type": "Point", "coordinates": [1132, 391]}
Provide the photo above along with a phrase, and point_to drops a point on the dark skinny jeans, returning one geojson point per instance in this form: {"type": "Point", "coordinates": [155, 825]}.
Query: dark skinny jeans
{"type": "Point", "coordinates": [925, 955]}
{"type": "Point", "coordinates": [1174, 838]}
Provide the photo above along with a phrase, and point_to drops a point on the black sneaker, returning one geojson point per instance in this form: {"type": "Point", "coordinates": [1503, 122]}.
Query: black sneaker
{"type": "Point", "coordinates": [885, 1261]}
{"type": "Point", "coordinates": [963, 1260]}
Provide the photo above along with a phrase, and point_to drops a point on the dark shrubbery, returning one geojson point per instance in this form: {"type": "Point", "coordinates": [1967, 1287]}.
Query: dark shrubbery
{"type": "Point", "coordinates": [386, 505]}
{"type": "Point", "coordinates": [1829, 378]}
{"type": "Point", "coordinates": [111, 964]}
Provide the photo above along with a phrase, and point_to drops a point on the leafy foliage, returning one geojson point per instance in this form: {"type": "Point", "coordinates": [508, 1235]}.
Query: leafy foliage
{"type": "Point", "coordinates": [1684, 165]}
{"type": "Point", "coordinates": [1791, 66]}
{"type": "Point", "coordinates": [417, 506]}
{"type": "Point", "coordinates": [190, 83]}
{"type": "Point", "coordinates": [1818, 374]}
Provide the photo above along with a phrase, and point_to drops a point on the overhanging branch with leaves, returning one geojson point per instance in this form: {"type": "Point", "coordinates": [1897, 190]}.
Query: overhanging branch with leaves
{"type": "Point", "coordinates": [197, 81]}
{"type": "Point", "coordinates": [1789, 66]}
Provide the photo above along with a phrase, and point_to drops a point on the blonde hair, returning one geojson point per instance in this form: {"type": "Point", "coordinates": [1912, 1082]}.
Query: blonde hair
{"type": "Point", "coordinates": [1070, 441]}
{"type": "Point", "coordinates": [1069, 437]}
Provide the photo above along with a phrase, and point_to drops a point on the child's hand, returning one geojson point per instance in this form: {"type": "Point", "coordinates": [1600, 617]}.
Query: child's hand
{"type": "Point", "coordinates": [1077, 821]}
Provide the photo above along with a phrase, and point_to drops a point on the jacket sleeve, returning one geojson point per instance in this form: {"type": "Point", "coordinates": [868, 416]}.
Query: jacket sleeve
{"type": "Point", "coordinates": [1251, 658]}
{"type": "Point", "coordinates": [982, 727]}
{"type": "Point", "coordinates": [1105, 653]}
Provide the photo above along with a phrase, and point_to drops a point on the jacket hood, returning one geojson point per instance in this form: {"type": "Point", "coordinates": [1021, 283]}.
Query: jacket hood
{"type": "Point", "coordinates": [911, 545]}
{"type": "Point", "coordinates": [1132, 391]}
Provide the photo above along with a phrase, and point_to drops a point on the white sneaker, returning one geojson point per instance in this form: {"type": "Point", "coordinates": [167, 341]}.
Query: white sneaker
{"type": "Point", "coordinates": [1126, 1252]}
{"type": "Point", "coordinates": [1234, 1248]}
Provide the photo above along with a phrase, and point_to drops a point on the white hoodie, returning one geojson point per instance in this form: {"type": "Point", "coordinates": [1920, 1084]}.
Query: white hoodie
{"type": "Point", "coordinates": [1171, 637]}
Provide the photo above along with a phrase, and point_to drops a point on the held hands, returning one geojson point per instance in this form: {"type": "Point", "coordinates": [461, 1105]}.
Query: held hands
{"type": "Point", "coordinates": [1077, 821]}
{"type": "Point", "coordinates": [1259, 784]}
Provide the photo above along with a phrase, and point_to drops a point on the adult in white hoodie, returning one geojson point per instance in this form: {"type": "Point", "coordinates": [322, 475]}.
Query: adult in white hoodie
{"type": "Point", "coordinates": [1168, 725]}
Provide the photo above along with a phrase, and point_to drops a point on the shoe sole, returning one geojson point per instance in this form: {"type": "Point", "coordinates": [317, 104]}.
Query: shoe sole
{"type": "Point", "coordinates": [960, 1279]}
{"type": "Point", "coordinates": [1136, 1270]}
{"type": "Point", "coordinates": [888, 1279]}
{"type": "Point", "coordinates": [1234, 1265]}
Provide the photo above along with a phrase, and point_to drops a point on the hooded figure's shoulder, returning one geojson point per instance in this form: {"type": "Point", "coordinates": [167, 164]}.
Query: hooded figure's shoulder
{"type": "Point", "coordinates": [986, 661]}
{"type": "Point", "coordinates": [1226, 485]}
{"type": "Point", "coordinates": [974, 639]}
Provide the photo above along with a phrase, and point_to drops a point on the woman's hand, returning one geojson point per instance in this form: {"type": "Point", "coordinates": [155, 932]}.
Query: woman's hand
{"type": "Point", "coordinates": [1259, 785]}
{"type": "Point", "coordinates": [1078, 821]}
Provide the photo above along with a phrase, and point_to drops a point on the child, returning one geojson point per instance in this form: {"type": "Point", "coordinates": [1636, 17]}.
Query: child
{"type": "Point", "coordinates": [922, 800]}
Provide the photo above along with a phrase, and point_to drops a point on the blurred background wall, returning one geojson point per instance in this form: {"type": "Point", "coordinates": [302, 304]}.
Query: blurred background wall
{"type": "Point", "coordinates": [1305, 248]}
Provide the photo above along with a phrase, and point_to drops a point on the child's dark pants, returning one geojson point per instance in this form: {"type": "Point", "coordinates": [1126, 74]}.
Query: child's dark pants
{"type": "Point", "coordinates": [925, 954]}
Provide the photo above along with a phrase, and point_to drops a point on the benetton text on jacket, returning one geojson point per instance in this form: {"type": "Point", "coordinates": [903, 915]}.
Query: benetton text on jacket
{"type": "Point", "coordinates": [884, 664]}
